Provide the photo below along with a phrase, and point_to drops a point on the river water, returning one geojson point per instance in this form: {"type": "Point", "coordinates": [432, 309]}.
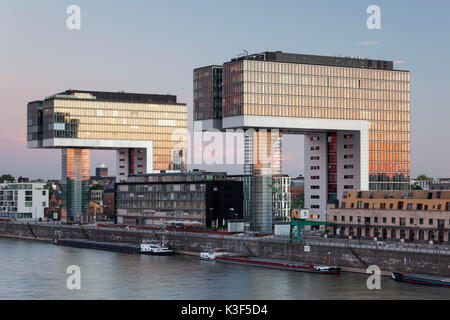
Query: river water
{"type": "Point", "coordinates": [37, 270]}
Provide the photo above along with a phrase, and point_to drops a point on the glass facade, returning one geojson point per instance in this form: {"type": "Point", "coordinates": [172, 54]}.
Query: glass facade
{"type": "Point", "coordinates": [149, 129]}
{"type": "Point", "coordinates": [202, 198]}
{"type": "Point", "coordinates": [208, 93]}
{"type": "Point", "coordinates": [108, 120]}
{"type": "Point", "coordinates": [381, 96]}
{"type": "Point", "coordinates": [75, 183]}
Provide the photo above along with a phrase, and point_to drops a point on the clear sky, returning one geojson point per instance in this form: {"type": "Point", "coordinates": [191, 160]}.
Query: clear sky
{"type": "Point", "coordinates": [152, 46]}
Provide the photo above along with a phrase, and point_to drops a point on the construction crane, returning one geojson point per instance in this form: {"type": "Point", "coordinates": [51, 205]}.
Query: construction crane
{"type": "Point", "coordinates": [299, 217]}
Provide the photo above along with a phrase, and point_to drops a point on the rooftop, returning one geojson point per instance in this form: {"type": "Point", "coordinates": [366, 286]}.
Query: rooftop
{"type": "Point", "coordinates": [115, 96]}
{"type": "Point", "coordinates": [353, 62]}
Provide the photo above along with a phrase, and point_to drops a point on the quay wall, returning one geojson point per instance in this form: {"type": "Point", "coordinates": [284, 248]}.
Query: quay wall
{"type": "Point", "coordinates": [350, 256]}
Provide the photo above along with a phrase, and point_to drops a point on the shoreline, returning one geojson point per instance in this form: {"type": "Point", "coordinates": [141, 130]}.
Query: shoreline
{"type": "Point", "coordinates": [192, 254]}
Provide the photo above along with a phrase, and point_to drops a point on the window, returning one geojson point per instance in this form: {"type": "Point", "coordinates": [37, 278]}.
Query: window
{"type": "Point", "coordinates": [315, 148]}
{"type": "Point", "coordinates": [359, 204]}
{"type": "Point", "coordinates": [411, 220]}
{"type": "Point", "coordinates": [375, 219]}
{"type": "Point", "coordinates": [393, 220]}
{"type": "Point", "coordinates": [315, 168]}
{"type": "Point", "coordinates": [384, 219]}
{"type": "Point", "coordinates": [348, 176]}
{"type": "Point", "coordinates": [315, 158]}
{"type": "Point", "coordinates": [348, 146]}
{"type": "Point", "coordinates": [421, 221]}
{"type": "Point", "coordinates": [409, 207]}
{"type": "Point", "coordinates": [430, 222]}
{"type": "Point", "coordinates": [314, 196]}
{"type": "Point", "coordinates": [315, 206]}
{"type": "Point", "coordinates": [419, 206]}
{"type": "Point", "coordinates": [383, 206]}
{"type": "Point", "coordinates": [348, 156]}
{"type": "Point", "coordinates": [315, 187]}
{"type": "Point", "coordinates": [315, 177]}
{"type": "Point", "coordinates": [402, 221]}
{"type": "Point", "coordinates": [348, 166]}
{"type": "Point", "coordinates": [359, 219]}
{"type": "Point", "coordinates": [348, 187]}
{"type": "Point", "coordinates": [351, 218]}
{"type": "Point", "coordinates": [335, 218]}
{"type": "Point", "coordinates": [44, 204]}
{"type": "Point", "coordinates": [315, 138]}
{"type": "Point", "coordinates": [348, 136]}
{"type": "Point", "coordinates": [343, 218]}
{"type": "Point", "coordinates": [343, 205]}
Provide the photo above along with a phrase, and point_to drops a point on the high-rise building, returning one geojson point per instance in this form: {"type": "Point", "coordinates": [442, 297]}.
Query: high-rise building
{"type": "Point", "coordinates": [145, 130]}
{"type": "Point", "coordinates": [354, 114]}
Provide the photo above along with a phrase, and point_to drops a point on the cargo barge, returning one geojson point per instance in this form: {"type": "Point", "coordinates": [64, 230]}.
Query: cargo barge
{"type": "Point", "coordinates": [422, 279]}
{"type": "Point", "coordinates": [279, 264]}
{"type": "Point", "coordinates": [96, 245]}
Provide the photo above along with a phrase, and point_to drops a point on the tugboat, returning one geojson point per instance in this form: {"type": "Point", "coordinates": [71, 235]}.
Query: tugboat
{"type": "Point", "coordinates": [422, 279]}
{"type": "Point", "coordinates": [153, 248]}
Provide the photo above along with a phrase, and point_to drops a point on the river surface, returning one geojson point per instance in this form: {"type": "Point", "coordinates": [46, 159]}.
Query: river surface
{"type": "Point", "coordinates": [37, 270]}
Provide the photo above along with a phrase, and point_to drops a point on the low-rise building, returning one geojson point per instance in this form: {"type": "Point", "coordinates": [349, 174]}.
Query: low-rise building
{"type": "Point", "coordinates": [281, 200]}
{"type": "Point", "coordinates": [203, 199]}
{"type": "Point", "coordinates": [95, 212]}
{"type": "Point", "coordinates": [414, 215]}
{"type": "Point", "coordinates": [23, 200]}
{"type": "Point", "coordinates": [298, 188]}
{"type": "Point", "coordinates": [97, 195]}
{"type": "Point", "coordinates": [109, 201]}
{"type": "Point", "coordinates": [54, 208]}
{"type": "Point", "coordinates": [440, 186]}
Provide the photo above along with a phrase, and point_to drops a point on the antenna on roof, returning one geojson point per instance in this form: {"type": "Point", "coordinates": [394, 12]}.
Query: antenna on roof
{"type": "Point", "coordinates": [245, 54]}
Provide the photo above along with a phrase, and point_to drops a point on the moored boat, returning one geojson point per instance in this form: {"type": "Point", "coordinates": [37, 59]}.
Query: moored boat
{"type": "Point", "coordinates": [422, 279]}
{"type": "Point", "coordinates": [279, 264]}
{"type": "Point", "coordinates": [155, 249]}
{"type": "Point", "coordinates": [212, 254]}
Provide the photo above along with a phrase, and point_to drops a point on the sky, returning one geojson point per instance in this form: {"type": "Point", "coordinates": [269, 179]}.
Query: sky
{"type": "Point", "coordinates": [152, 46]}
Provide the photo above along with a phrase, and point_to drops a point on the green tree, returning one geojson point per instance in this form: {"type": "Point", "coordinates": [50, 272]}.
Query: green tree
{"type": "Point", "coordinates": [414, 187]}
{"type": "Point", "coordinates": [7, 178]}
{"type": "Point", "coordinates": [97, 186]}
{"type": "Point", "coordinates": [424, 177]}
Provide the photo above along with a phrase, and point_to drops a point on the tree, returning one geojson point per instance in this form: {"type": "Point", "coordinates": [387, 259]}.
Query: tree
{"type": "Point", "coordinates": [7, 178]}
{"type": "Point", "coordinates": [97, 186]}
{"type": "Point", "coordinates": [424, 177]}
{"type": "Point", "coordinates": [415, 187]}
